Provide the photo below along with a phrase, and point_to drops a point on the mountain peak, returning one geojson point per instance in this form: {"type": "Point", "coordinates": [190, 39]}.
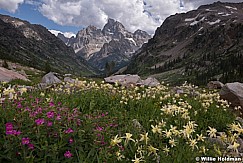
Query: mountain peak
{"type": "Point", "coordinates": [112, 43]}
{"type": "Point", "coordinates": [113, 26]}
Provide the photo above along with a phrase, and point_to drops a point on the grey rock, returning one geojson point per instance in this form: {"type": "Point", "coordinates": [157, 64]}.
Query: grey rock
{"type": "Point", "coordinates": [233, 93]}
{"type": "Point", "coordinates": [215, 85]}
{"type": "Point", "coordinates": [136, 124]}
{"type": "Point", "coordinates": [8, 75]}
{"type": "Point", "coordinates": [69, 80]}
{"type": "Point", "coordinates": [240, 148]}
{"type": "Point", "coordinates": [239, 120]}
{"type": "Point", "coordinates": [50, 78]}
{"type": "Point", "coordinates": [217, 141]}
{"type": "Point", "coordinates": [151, 82]}
{"type": "Point", "coordinates": [123, 79]}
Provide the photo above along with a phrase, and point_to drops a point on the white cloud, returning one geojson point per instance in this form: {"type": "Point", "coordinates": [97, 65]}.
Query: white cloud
{"type": "Point", "coordinates": [133, 14]}
{"type": "Point", "coordinates": [10, 5]}
{"type": "Point", "coordinates": [66, 34]}
{"type": "Point", "coordinates": [33, 2]}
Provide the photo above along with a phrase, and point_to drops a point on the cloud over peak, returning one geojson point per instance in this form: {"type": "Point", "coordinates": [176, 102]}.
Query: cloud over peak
{"type": "Point", "coordinates": [10, 5]}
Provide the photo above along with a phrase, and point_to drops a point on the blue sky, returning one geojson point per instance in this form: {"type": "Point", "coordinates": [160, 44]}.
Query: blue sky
{"type": "Point", "coordinates": [31, 14]}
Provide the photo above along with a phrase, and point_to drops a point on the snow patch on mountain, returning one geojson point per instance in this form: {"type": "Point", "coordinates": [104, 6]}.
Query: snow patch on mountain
{"type": "Point", "coordinates": [66, 34]}
{"type": "Point", "coordinates": [215, 22]}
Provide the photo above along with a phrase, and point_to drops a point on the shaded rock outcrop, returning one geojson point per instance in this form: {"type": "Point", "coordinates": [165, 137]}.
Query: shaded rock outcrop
{"type": "Point", "coordinates": [8, 75]}
{"type": "Point", "coordinates": [215, 85]}
{"type": "Point", "coordinates": [233, 93]}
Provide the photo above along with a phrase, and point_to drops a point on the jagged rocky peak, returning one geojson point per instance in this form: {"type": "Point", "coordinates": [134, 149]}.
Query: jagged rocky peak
{"type": "Point", "coordinates": [89, 31]}
{"type": "Point", "coordinates": [141, 37]}
{"type": "Point", "coordinates": [112, 43]}
{"type": "Point", "coordinates": [112, 27]}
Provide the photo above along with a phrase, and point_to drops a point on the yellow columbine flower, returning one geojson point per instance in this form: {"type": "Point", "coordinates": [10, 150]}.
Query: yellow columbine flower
{"type": "Point", "coordinates": [119, 156]}
{"type": "Point", "coordinates": [137, 160]}
{"type": "Point", "coordinates": [128, 137]}
{"type": "Point", "coordinates": [162, 123]}
{"type": "Point", "coordinates": [234, 147]}
{"type": "Point", "coordinates": [152, 150]}
{"type": "Point", "coordinates": [203, 150]}
{"type": "Point", "coordinates": [156, 129]}
{"type": "Point", "coordinates": [172, 142]}
{"type": "Point", "coordinates": [193, 143]}
{"type": "Point", "coordinates": [212, 132]}
{"type": "Point", "coordinates": [200, 137]}
{"type": "Point", "coordinates": [144, 138]}
{"type": "Point", "coordinates": [223, 137]}
{"type": "Point", "coordinates": [173, 128]}
{"type": "Point", "coordinates": [168, 134]}
{"type": "Point", "coordinates": [166, 150]}
{"type": "Point", "coordinates": [115, 141]}
{"type": "Point", "coordinates": [235, 127]}
{"type": "Point", "coordinates": [187, 131]}
{"type": "Point", "coordinates": [23, 90]}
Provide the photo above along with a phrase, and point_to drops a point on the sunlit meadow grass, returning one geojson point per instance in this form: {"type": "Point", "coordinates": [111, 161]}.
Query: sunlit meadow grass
{"type": "Point", "coordinates": [88, 122]}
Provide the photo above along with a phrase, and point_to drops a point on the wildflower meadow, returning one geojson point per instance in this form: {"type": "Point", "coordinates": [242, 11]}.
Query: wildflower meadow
{"type": "Point", "coordinates": [95, 122]}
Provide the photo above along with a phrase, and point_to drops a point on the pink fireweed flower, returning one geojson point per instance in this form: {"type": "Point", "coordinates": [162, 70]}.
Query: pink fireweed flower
{"type": "Point", "coordinates": [31, 146]}
{"type": "Point", "coordinates": [10, 130]}
{"type": "Point", "coordinates": [27, 109]}
{"type": "Point", "coordinates": [51, 104]}
{"type": "Point", "coordinates": [98, 128]}
{"type": "Point", "coordinates": [49, 123]}
{"type": "Point", "coordinates": [69, 130]}
{"type": "Point", "coordinates": [71, 140]}
{"type": "Point", "coordinates": [39, 110]}
{"type": "Point", "coordinates": [68, 154]}
{"type": "Point", "coordinates": [25, 141]}
{"type": "Point", "coordinates": [9, 126]}
{"type": "Point", "coordinates": [50, 114]}
{"type": "Point", "coordinates": [78, 121]}
{"type": "Point", "coordinates": [40, 121]}
{"type": "Point", "coordinates": [19, 105]}
{"type": "Point", "coordinates": [58, 117]}
{"type": "Point", "coordinates": [16, 133]}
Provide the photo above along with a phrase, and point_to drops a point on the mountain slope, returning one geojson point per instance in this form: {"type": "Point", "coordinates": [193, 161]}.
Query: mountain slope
{"type": "Point", "coordinates": [35, 46]}
{"type": "Point", "coordinates": [112, 43]}
{"type": "Point", "coordinates": [197, 46]}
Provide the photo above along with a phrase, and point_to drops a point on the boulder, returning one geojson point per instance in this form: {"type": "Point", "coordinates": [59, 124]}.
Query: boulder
{"type": "Point", "coordinates": [50, 78]}
{"type": "Point", "coordinates": [69, 80]}
{"type": "Point", "coordinates": [151, 82]}
{"type": "Point", "coordinates": [233, 93]}
{"type": "Point", "coordinates": [215, 85]}
{"type": "Point", "coordinates": [8, 75]}
{"type": "Point", "coordinates": [123, 79]}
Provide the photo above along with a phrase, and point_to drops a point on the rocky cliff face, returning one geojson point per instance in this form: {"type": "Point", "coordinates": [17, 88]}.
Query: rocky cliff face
{"type": "Point", "coordinates": [112, 43]}
{"type": "Point", "coordinates": [201, 44]}
{"type": "Point", "coordinates": [35, 46]}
